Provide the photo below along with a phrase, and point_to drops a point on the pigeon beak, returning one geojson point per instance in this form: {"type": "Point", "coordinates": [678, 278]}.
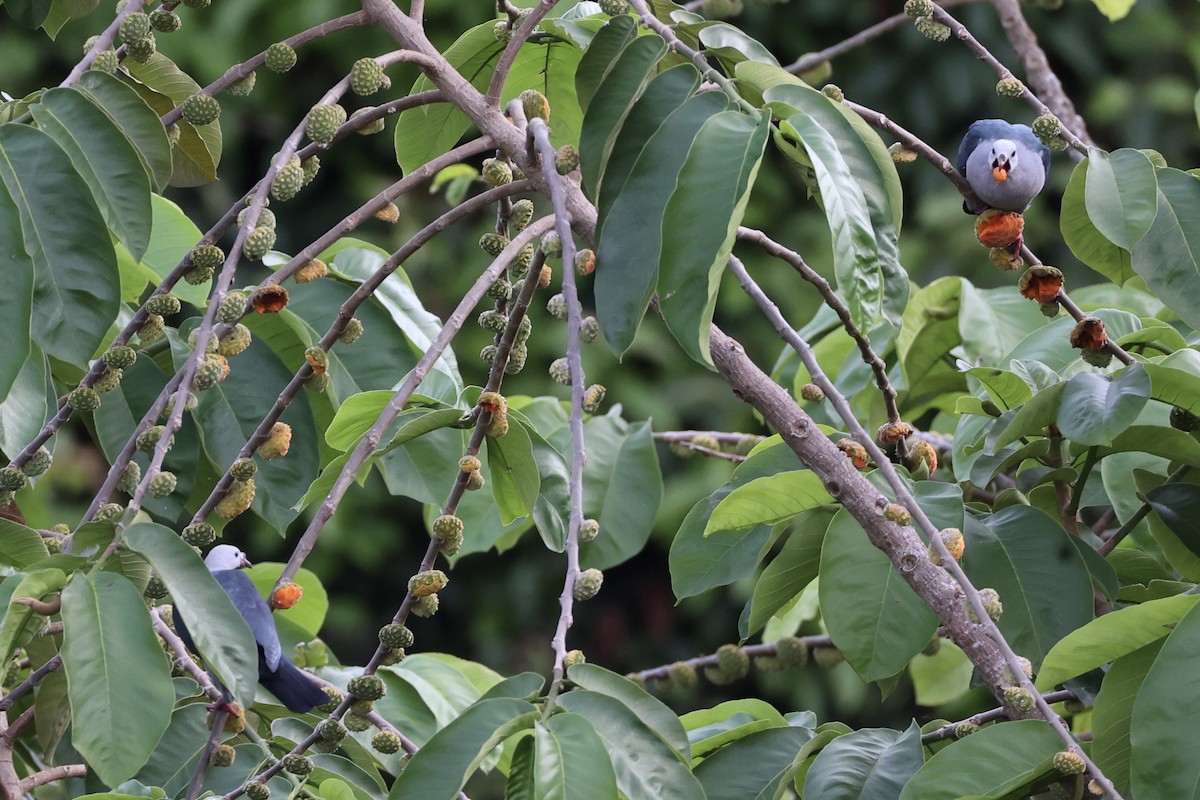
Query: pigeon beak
{"type": "Point", "coordinates": [244, 563]}
{"type": "Point", "coordinates": [1000, 173]}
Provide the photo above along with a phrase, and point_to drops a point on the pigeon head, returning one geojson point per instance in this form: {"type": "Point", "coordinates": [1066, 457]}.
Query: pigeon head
{"type": "Point", "coordinates": [225, 556]}
{"type": "Point", "coordinates": [1004, 164]}
{"type": "Point", "coordinates": [1003, 159]}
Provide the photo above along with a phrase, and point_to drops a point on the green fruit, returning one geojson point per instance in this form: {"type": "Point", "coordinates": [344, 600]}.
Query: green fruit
{"type": "Point", "coordinates": [207, 257]}
{"type": "Point", "coordinates": [557, 306]}
{"type": "Point", "coordinates": [366, 687]}
{"type": "Point", "coordinates": [297, 765]}
{"type": "Point", "coordinates": [165, 21]}
{"type": "Point", "coordinates": [335, 699]}
{"type": "Point", "coordinates": [309, 168]}
{"type": "Point", "coordinates": [593, 396]}
{"type": "Point", "coordinates": [560, 371]}
{"type": "Point", "coordinates": [141, 50]}
{"type": "Point", "coordinates": [199, 534]}
{"type": "Point", "coordinates": [1020, 699]}
{"type": "Point", "coordinates": [83, 399]}
{"type": "Point", "coordinates": [232, 308]}
{"type": "Point", "coordinates": [200, 109]}
{"type": "Point", "coordinates": [682, 675]}
{"type": "Point", "coordinates": [317, 382]}
{"type": "Point", "coordinates": [147, 440]}
{"type": "Point", "coordinates": [493, 243]}
{"type": "Point", "coordinates": [614, 8]}
{"type": "Point", "coordinates": [354, 329]}
{"type": "Point", "coordinates": [918, 8]}
{"type": "Point", "coordinates": [932, 30]}
{"type": "Point", "coordinates": [106, 61]}
{"type": "Point", "coordinates": [366, 128]}
{"type": "Point", "coordinates": [266, 218]}
{"type": "Point", "coordinates": [151, 329]}
{"type": "Point", "coordinates": [964, 729]}
{"type": "Point", "coordinates": [208, 375]}
{"type": "Point", "coordinates": [134, 28]}
{"type": "Point", "coordinates": [163, 304]}
{"type": "Point", "coordinates": [567, 160]}
{"type": "Point", "coordinates": [324, 121]}
{"type": "Point", "coordinates": [445, 527]}
{"type": "Point", "coordinates": [119, 357]}
{"type": "Point", "coordinates": [395, 635]}
{"type": "Point", "coordinates": [162, 484]}
{"type": "Point", "coordinates": [791, 652]}
{"type": "Point", "coordinates": [522, 214]}
{"type": "Point", "coordinates": [131, 476]}
{"type": "Point", "coordinates": [1046, 126]}
{"type": "Point", "coordinates": [235, 340]}
{"type": "Point", "coordinates": [258, 791]}
{"type": "Point", "coordinates": [243, 86]}
{"type": "Point", "coordinates": [827, 657]}
{"type": "Point", "coordinates": [551, 245]}
{"type": "Point", "coordinates": [243, 469]}
{"type": "Point", "coordinates": [386, 742]}
{"type": "Point", "coordinates": [331, 730]}
{"type": "Point", "coordinates": [366, 76]}
{"type": "Point", "coordinates": [475, 482]}
{"type": "Point", "coordinates": [258, 243]}
{"type": "Point", "coordinates": [732, 662]}
{"type": "Point", "coordinates": [38, 463]}
{"type": "Point", "coordinates": [535, 104]}
{"type": "Point", "coordinates": [288, 181]}
{"type": "Point", "coordinates": [833, 92]}
{"type": "Point", "coordinates": [488, 353]}
{"type": "Point", "coordinates": [1010, 87]}
{"type": "Point", "coordinates": [426, 606]}
{"type": "Point", "coordinates": [589, 529]}
{"type": "Point", "coordinates": [222, 755]}
{"type": "Point", "coordinates": [108, 380]}
{"type": "Point", "coordinates": [109, 512]}
{"type": "Point", "coordinates": [587, 584]}
{"type": "Point", "coordinates": [280, 57]}
{"type": "Point", "coordinates": [496, 172]}
{"type": "Point", "coordinates": [500, 290]}
{"type": "Point", "coordinates": [357, 723]}
{"type": "Point", "coordinates": [516, 359]}
{"type": "Point", "coordinates": [520, 265]}
{"type": "Point", "coordinates": [12, 479]}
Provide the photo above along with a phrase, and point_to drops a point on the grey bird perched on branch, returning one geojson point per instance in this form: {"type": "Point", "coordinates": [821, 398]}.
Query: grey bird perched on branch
{"type": "Point", "coordinates": [283, 679]}
{"type": "Point", "coordinates": [1005, 164]}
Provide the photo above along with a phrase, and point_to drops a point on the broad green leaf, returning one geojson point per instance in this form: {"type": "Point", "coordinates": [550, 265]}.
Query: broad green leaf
{"type": "Point", "coordinates": [118, 679]}
{"type": "Point", "coordinates": [700, 223]}
{"type": "Point", "coordinates": [105, 159]}
{"type": "Point", "coordinates": [136, 119]}
{"type": "Point", "coordinates": [710, 729]}
{"type": "Point", "coordinates": [1176, 505]}
{"type": "Point", "coordinates": [1169, 443]}
{"type": "Point", "coordinates": [215, 624]}
{"type": "Point", "coordinates": [942, 677]}
{"type": "Point", "coordinates": [309, 613]}
{"type": "Point", "coordinates": [1030, 419]}
{"type": "Point", "coordinates": [601, 55]}
{"type": "Point", "coordinates": [31, 401]}
{"type": "Point", "coordinates": [549, 66]}
{"type": "Point", "coordinates": [622, 488]}
{"type": "Point", "coordinates": [1148, 474]}
{"type": "Point", "coordinates": [1112, 636]}
{"type": "Point", "coordinates": [19, 620]}
{"type": "Point", "coordinates": [16, 302]}
{"type": "Point", "coordinates": [995, 762]}
{"type": "Point", "coordinates": [1175, 386]}
{"type": "Point", "coordinates": [873, 616]}
{"type": "Point", "coordinates": [1087, 243]}
{"type": "Point", "coordinates": [1006, 389]}
{"type": "Point", "coordinates": [163, 86]}
{"type": "Point", "coordinates": [1043, 583]}
{"type": "Point", "coordinates": [570, 762]}
{"type": "Point", "coordinates": [1113, 712]}
{"type": "Point", "coordinates": [513, 473]}
{"type": "Point", "coordinates": [441, 768]}
{"type": "Point", "coordinates": [521, 780]}
{"type": "Point", "coordinates": [53, 716]}
{"type": "Point", "coordinates": [868, 764]}
{"type": "Point", "coordinates": [732, 46]}
{"type": "Point", "coordinates": [1114, 9]}
{"type": "Point", "coordinates": [1121, 194]}
{"type": "Point", "coordinates": [631, 237]}
{"type": "Point", "coordinates": [1161, 763]}
{"type": "Point", "coordinates": [172, 237]}
{"type": "Point", "coordinates": [769, 500]}
{"type": "Point", "coordinates": [752, 768]}
{"type": "Point", "coordinates": [20, 546]}
{"type": "Point", "coordinates": [993, 322]}
{"type": "Point", "coordinates": [29, 13]}
{"type": "Point", "coordinates": [1095, 408]}
{"type": "Point", "coordinates": [930, 327]}
{"type": "Point", "coordinates": [76, 288]}
{"type": "Point", "coordinates": [609, 104]}
{"type": "Point", "coordinates": [793, 569]}
{"type": "Point", "coordinates": [649, 709]}
{"type": "Point", "coordinates": [1168, 256]}
{"type": "Point", "coordinates": [646, 766]}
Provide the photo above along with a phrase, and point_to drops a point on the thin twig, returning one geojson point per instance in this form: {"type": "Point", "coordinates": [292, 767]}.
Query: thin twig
{"type": "Point", "coordinates": [947, 731]}
{"type": "Point", "coordinates": [663, 671]}
{"type": "Point", "coordinates": [520, 35]}
{"type": "Point", "coordinates": [25, 686]}
{"type": "Point", "coordinates": [1142, 512]}
{"type": "Point", "coordinates": [103, 42]}
{"type": "Point", "coordinates": [52, 774]}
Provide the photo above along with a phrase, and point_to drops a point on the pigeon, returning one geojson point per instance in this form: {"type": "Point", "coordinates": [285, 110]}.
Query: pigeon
{"type": "Point", "coordinates": [1005, 164]}
{"type": "Point", "coordinates": [282, 678]}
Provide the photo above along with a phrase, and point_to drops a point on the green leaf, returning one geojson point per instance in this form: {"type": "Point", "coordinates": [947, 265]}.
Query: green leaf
{"type": "Point", "coordinates": [1114, 9]}
{"type": "Point", "coordinates": [20, 622]}
{"type": "Point", "coordinates": [20, 546]}
{"type": "Point", "coordinates": [76, 288]}
{"type": "Point", "coordinates": [868, 764]}
{"type": "Point", "coordinates": [513, 473]}
{"type": "Point", "coordinates": [1161, 763]}
{"type": "Point", "coordinates": [710, 729]}
{"type": "Point", "coordinates": [136, 119]}
{"type": "Point", "coordinates": [753, 767]}
{"type": "Point", "coordinates": [1112, 636]}
{"type": "Point", "coordinates": [1121, 194]}
{"type": "Point", "coordinates": [1113, 712]}
{"type": "Point", "coordinates": [996, 762]}
{"type": "Point", "coordinates": [1176, 505]}
{"type": "Point", "coordinates": [645, 765]}
{"type": "Point", "coordinates": [440, 769]}
{"type": "Point", "coordinates": [608, 107]}
{"type": "Point", "coordinates": [1168, 256]}
{"type": "Point", "coordinates": [769, 500]}
{"type": "Point", "coordinates": [942, 677]}
{"type": "Point", "coordinates": [118, 679]}
{"type": "Point", "coordinates": [631, 237]}
{"type": "Point", "coordinates": [1085, 241]}
{"type": "Point", "coordinates": [700, 223]}
{"type": "Point", "coordinates": [732, 46]}
{"type": "Point", "coordinates": [29, 13]}
{"type": "Point", "coordinates": [873, 616]}
{"type": "Point", "coordinates": [30, 403]}
{"type": "Point", "coordinates": [1043, 583]}
{"type": "Point", "coordinates": [622, 489]}
{"type": "Point", "coordinates": [309, 613]}
{"type": "Point", "coordinates": [216, 626]}
{"type": "Point", "coordinates": [1095, 408]}
{"type": "Point", "coordinates": [16, 302]}
{"type": "Point", "coordinates": [649, 709]}
{"type": "Point", "coordinates": [549, 67]}
{"type": "Point", "coordinates": [162, 85]}
{"type": "Point", "coordinates": [570, 761]}
{"type": "Point", "coordinates": [172, 237]}
{"type": "Point", "coordinates": [104, 158]}
{"type": "Point", "coordinates": [792, 570]}
{"type": "Point", "coordinates": [930, 328]}
{"type": "Point", "coordinates": [520, 783]}
{"type": "Point", "coordinates": [1031, 419]}
{"type": "Point", "coordinates": [601, 55]}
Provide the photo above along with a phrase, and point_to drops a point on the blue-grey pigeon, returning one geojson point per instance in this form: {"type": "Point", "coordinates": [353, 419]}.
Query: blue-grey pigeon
{"type": "Point", "coordinates": [1005, 164]}
{"type": "Point", "coordinates": [280, 677]}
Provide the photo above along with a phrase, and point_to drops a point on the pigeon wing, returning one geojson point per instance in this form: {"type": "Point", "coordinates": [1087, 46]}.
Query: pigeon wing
{"type": "Point", "coordinates": [255, 611]}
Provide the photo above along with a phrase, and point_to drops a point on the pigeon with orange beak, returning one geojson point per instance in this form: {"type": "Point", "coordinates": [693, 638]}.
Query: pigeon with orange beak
{"type": "Point", "coordinates": [1005, 165]}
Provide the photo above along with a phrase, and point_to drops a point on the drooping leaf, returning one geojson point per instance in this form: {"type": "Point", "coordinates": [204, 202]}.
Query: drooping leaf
{"type": "Point", "coordinates": [1121, 194]}
{"type": "Point", "coordinates": [31, 401]}
{"type": "Point", "coordinates": [753, 767]}
{"type": "Point", "coordinates": [1096, 409]}
{"type": "Point", "coordinates": [710, 729]}
{"type": "Point", "coordinates": [76, 288]}
{"type": "Point", "coordinates": [996, 762]}
{"type": "Point", "coordinates": [1114, 9]}
{"type": "Point", "coordinates": [1168, 256]}
{"type": "Point", "coordinates": [873, 616]}
{"type": "Point", "coordinates": [20, 546]}
{"type": "Point", "coordinates": [942, 677]}
{"type": "Point", "coordinates": [16, 303]}
{"type": "Point", "coordinates": [513, 473]}
{"type": "Point", "coordinates": [622, 489]}
{"type": "Point", "coordinates": [20, 622]}
{"type": "Point", "coordinates": [570, 761]}
{"type": "Point", "coordinates": [649, 709]}
{"type": "Point", "coordinates": [601, 55]}
{"type": "Point", "coordinates": [769, 500]}
{"type": "Point", "coordinates": [792, 570]}
{"type": "Point", "coordinates": [118, 678]}
{"type": "Point", "coordinates": [1113, 712]}
{"type": "Point", "coordinates": [136, 119]}
{"type": "Point", "coordinates": [29, 13]}
{"type": "Point", "coordinates": [1085, 241]}
{"type": "Point", "coordinates": [1176, 505]}
{"type": "Point", "coordinates": [868, 764]}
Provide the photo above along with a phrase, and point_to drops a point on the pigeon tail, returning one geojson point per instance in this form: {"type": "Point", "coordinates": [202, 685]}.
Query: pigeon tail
{"type": "Point", "coordinates": [294, 688]}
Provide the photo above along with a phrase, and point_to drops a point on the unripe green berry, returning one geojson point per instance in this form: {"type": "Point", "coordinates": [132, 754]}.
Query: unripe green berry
{"type": "Point", "coordinates": [589, 329]}
{"type": "Point", "coordinates": [222, 755]}
{"type": "Point", "coordinates": [551, 245]}
{"type": "Point", "coordinates": [232, 308]}
{"type": "Point", "coordinates": [492, 320]}
{"type": "Point", "coordinates": [682, 675]}
{"type": "Point", "coordinates": [386, 742]}
{"type": "Point", "coordinates": [395, 635]}
{"type": "Point", "coordinates": [566, 160]}
{"type": "Point", "coordinates": [1010, 87]}
{"type": "Point", "coordinates": [572, 658]}
{"type": "Point", "coordinates": [488, 353]}
{"type": "Point", "coordinates": [965, 729]}
{"type": "Point", "coordinates": [209, 373]}
{"type": "Point", "coordinates": [593, 396]}
{"type": "Point", "coordinates": [331, 730]}
{"type": "Point", "coordinates": [366, 77]}
{"type": "Point", "coordinates": [199, 534]}
{"type": "Point", "coordinates": [520, 265]}
{"type": "Point", "coordinates": [426, 606]}
{"type": "Point", "coordinates": [243, 469]}
{"type": "Point", "coordinates": [496, 172]}
{"type": "Point", "coordinates": [1069, 762]}
{"type": "Point", "coordinates": [1046, 127]}
{"type": "Point", "coordinates": [207, 257]}
{"type": "Point", "coordinates": [366, 687]}
{"type": "Point", "coordinates": [918, 8]}
{"type": "Point", "coordinates": [934, 31]}
{"type": "Point", "coordinates": [335, 699]}
{"type": "Point", "coordinates": [147, 440]}
{"type": "Point", "coordinates": [587, 584]}
{"type": "Point", "coordinates": [38, 463]}
{"type": "Point", "coordinates": [309, 168]}
{"type": "Point", "coordinates": [522, 214]}
{"type": "Point", "coordinates": [288, 181]}
{"type": "Point", "coordinates": [109, 512]}
{"type": "Point", "coordinates": [201, 109]}
{"type": "Point", "coordinates": [557, 306]}
{"type": "Point", "coordinates": [134, 27]}
{"type": "Point", "coordinates": [243, 86]}
{"type": "Point", "coordinates": [732, 661]}
{"type": "Point", "coordinates": [614, 8]}
{"type": "Point", "coordinates": [500, 290]}
{"type": "Point", "coordinates": [324, 121]}
{"type": "Point", "coordinates": [12, 479]}
{"type": "Point", "coordinates": [162, 484]}
{"type": "Point", "coordinates": [235, 340]}
{"type": "Point", "coordinates": [493, 243]}
{"type": "Point", "coordinates": [297, 765]}
{"type": "Point", "coordinates": [237, 500]}
{"type": "Point", "coordinates": [827, 657]}
{"type": "Point", "coordinates": [535, 104]}
{"type": "Point", "coordinates": [258, 791]}
{"type": "Point", "coordinates": [83, 399]}
{"type": "Point", "coordinates": [258, 243]}
{"type": "Point", "coordinates": [354, 329]}
{"type": "Point", "coordinates": [163, 305]}
{"type": "Point", "coordinates": [894, 512]}
{"type": "Point", "coordinates": [131, 476]}
{"type": "Point", "coordinates": [516, 359]}
{"type": "Point", "coordinates": [165, 21]}
{"type": "Point", "coordinates": [152, 329]}
{"type": "Point", "coordinates": [560, 371]}
{"type": "Point", "coordinates": [367, 128]}
{"type": "Point", "coordinates": [589, 529]}
{"type": "Point", "coordinates": [706, 441]}
{"type": "Point", "coordinates": [280, 57]}
{"type": "Point", "coordinates": [1020, 698]}
{"type": "Point", "coordinates": [833, 92]}
{"type": "Point", "coordinates": [120, 357]}
{"type": "Point", "coordinates": [445, 527]}
{"type": "Point", "coordinates": [105, 61]}
{"type": "Point", "coordinates": [791, 651]}
{"type": "Point", "coordinates": [502, 31]}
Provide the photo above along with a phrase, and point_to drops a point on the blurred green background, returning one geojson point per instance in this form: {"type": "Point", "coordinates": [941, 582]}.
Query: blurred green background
{"type": "Point", "coordinates": [1134, 82]}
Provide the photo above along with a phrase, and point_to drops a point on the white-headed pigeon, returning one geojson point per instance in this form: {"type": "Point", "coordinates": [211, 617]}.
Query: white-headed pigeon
{"type": "Point", "coordinates": [1005, 164]}
{"type": "Point", "coordinates": [282, 678]}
